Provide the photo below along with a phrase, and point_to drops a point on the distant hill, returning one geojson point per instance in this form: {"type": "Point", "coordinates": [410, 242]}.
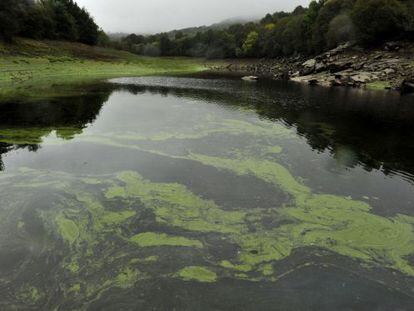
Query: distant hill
{"type": "Point", "coordinates": [216, 26]}
{"type": "Point", "coordinates": [117, 36]}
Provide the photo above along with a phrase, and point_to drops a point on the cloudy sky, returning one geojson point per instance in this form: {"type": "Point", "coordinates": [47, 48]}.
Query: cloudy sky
{"type": "Point", "coordinates": [147, 16]}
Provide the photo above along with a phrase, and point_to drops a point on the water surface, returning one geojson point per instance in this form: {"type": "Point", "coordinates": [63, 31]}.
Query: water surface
{"type": "Point", "coordinates": [207, 194]}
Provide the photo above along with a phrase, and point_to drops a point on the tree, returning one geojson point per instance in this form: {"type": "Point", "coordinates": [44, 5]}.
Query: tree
{"type": "Point", "coordinates": [250, 45]}
{"type": "Point", "coordinates": [65, 24]}
{"type": "Point", "coordinates": [11, 15]}
{"type": "Point", "coordinates": [378, 20]}
{"type": "Point", "coordinates": [341, 30]}
{"type": "Point", "coordinates": [166, 46]}
{"type": "Point", "coordinates": [38, 23]}
{"type": "Point", "coordinates": [47, 19]}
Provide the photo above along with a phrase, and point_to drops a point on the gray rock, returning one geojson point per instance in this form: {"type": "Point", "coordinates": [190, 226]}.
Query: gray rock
{"type": "Point", "coordinates": [311, 63]}
{"type": "Point", "coordinates": [339, 66]}
{"type": "Point", "coordinates": [361, 78]}
{"type": "Point", "coordinates": [389, 71]}
{"type": "Point", "coordinates": [250, 78]}
{"type": "Point", "coordinates": [407, 86]}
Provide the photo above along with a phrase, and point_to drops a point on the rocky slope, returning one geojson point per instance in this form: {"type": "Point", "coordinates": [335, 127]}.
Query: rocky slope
{"type": "Point", "coordinates": [388, 67]}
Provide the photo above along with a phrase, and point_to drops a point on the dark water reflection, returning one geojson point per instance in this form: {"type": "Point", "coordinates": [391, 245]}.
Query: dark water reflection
{"type": "Point", "coordinates": [61, 162]}
{"type": "Point", "coordinates": [374, 127]}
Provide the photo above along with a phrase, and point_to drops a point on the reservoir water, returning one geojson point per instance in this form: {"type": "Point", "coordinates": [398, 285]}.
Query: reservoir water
{"type": "Point", "coordinates": [205, 193]}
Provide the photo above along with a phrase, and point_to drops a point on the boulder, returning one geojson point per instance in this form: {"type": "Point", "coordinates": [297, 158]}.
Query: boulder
{"type": "Point", "coordinates": [308, 67]}
{"type": "Point", "coordinates": [313, 82]}
{"type": "Point", "coordinates": [361, 78]}
{"type": "Point", "coordinates": [407, 86]}
{"type": "Point", "coordinates": [389, 71]}
{"type": "Point", "coordinates": [339, 66]}
{"type": "Point", "coordinates": [392, 46]}
{"type": "Point", "coordinates": [319, 67]}
{"type": "Point", "coordinates": [250, 78]}
{"type": "Point", "coordinates": [358, 66]}
{"type": "Point", "coordinates": [311, 63]}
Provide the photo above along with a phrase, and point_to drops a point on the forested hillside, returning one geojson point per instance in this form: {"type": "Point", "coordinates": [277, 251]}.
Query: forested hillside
{"type": "Point", "coordinates": [305, 31]}
{"type": "Point", "coordinates": [47, 19]}
{"type": "Point", "coordinates": [321, 26]}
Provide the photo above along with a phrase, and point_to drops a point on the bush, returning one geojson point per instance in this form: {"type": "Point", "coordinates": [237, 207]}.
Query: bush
{"type": "Point", "coordinates": [341, 30]}
{"type": "Point", "coordinates": [378, 20]}
{"type": "Point", "coordinates": [47, 19]}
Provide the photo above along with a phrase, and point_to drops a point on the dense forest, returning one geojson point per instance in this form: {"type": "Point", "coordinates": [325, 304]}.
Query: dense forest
{"type": "Point", "coordinates": [47, 19]}
{"type": "Point", "coordinates": [323, 25]}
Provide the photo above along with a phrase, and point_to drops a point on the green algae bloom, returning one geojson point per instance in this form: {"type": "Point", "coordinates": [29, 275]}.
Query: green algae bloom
{"type": "Point", "coordinates": [123, 228]}
{"type": "Point", "coordinates": [175, 205]}
{"type": "Point", "coordinates": [150, 239]}
{"type": "Point", "coordinates": [68, 229]}
{"type": "Point", "coordinates": [199, 274]}
{"type": "Point", "coordinates": [127, 278]}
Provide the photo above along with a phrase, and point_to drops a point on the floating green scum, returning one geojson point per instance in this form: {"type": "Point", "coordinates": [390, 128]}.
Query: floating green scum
{"type": "Point", "coordinates": [114, 230]}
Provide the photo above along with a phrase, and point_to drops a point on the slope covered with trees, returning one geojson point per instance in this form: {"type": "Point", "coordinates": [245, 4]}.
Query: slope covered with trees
{"type": "Point", "coordinates": [47, 19]}
{"type": "Point", "coordinates": [321, 26]}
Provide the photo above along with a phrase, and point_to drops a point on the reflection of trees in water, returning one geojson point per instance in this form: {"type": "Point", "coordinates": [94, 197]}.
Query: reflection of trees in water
{"type": "Point", "coordinates": [357, 127]}
{"type": "Point", "coordinates": [68, 116]}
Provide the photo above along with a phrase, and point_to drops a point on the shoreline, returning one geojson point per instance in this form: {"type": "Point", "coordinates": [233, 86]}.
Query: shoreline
{"type": "Point", "coordinates": [390, 67]}
{"type": "Point", "coordinates": [32, 69]}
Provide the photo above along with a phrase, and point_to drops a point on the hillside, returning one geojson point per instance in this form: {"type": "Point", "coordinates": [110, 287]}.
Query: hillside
{"type": "Point", "coordinates": [27, 66]}
{"type": "Point", "coordinates": [190, 31]}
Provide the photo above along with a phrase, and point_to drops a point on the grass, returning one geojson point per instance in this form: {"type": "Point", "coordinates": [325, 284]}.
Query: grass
{"type": "Point", "coordinates": [378, 85]}
{"type": "Point", "coordinates": [29, 68]}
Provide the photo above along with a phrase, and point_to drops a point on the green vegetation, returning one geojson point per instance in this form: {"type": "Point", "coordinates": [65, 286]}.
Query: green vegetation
{"type": "Point", "coordinates": [127, 278]}
{"type": "Point", "coordinates": [150, 239]}
{"type": "Point", "coordinates": [47, 19]}
{"type": "Point", "coordinates": [34, 68]}
{"type": "Point", "coordinates": [120, 228]}
{"type": "Point", "coordinates": [68, 229]}
{"type": "Point", "coordinates": [323, 25]}
{"type": "Point", "coordinates": [200, 274]}
{"type": "Point", "coordinates": [378, 85]}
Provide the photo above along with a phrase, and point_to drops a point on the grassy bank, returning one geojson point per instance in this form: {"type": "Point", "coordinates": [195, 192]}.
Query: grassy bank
{"type": "Point", "coordinates": [31, 68]}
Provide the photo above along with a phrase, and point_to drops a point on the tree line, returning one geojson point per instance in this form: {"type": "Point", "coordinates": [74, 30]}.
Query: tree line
{"type": "Point", "coordinates": [321, 26]}
{"type": "Point", "coordinates": [47, 19]}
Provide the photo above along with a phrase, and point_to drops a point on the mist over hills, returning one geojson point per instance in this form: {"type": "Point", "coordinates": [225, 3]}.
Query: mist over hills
{"type": "Point", "coordinates": [193, 30]}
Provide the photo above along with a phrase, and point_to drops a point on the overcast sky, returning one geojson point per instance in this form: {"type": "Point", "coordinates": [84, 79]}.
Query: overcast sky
{"type": "Point", "coordinates": [148, 16]}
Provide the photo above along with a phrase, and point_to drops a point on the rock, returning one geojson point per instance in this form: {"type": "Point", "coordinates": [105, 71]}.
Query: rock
{"type": "Point", "coordinates": [338, 50]}
{"type": "Point", "coordinates": [392, 46]}
{"type": "Point", "coordinates": [295, 74]}
{"type": "Point", "coordinates": [250, 78]}
{"type": "Point", "coordinates": [336, 82]}
{"type": "Point", "coordinates": [313, 82]}
{"type": "Point", "coordinates": [361, 78]}
{"type": "Point", "coordinates": [407, 86]}
{"type": "Point", "coordinates": [389, 71]}
{"type": "Point", "coordinates": [319, 67]}
{"type": "Point", "coordinates": [339, 66]}
{"type": "Point", "coordinates": [358, 66]}
{"type": "Point", "coordinates": [308, 67]}
{"type": "Point", "coordinates": [311, 63]}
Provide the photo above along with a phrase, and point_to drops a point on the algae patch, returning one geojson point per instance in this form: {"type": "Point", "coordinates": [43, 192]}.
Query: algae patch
{"type": "Point", "coordinates": [150, 239]}
{"type": "Point", "coordinates": [199, 274]}
{"type": "Point", "coordinates": [67, 229]}
{"type": "Point", "coordinates": [127, 278]}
